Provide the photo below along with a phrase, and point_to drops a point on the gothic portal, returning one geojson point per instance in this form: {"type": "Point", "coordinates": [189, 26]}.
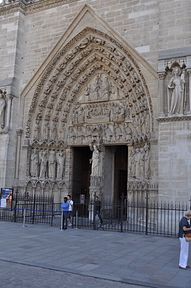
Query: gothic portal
{"type": "Point", "coordinates": [95, 99]}
{"type": "Point", "coordinates": [91, 96]}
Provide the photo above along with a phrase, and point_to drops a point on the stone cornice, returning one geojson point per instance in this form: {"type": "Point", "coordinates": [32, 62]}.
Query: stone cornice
{"type": "Point", "coordinates": [28, 8]}
{"type": "Point", "coordinates": [46, 4]}
{"type": "Point", "coordinates": [174, 118]}
{"type": "Point", "coordinates": [12, 8]}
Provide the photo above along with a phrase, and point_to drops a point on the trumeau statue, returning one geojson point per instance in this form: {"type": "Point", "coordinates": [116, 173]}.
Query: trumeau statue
{"type": "Point", "coordinates": [176, 91]}
{"type": "Point", "coordinates": [95, 160]}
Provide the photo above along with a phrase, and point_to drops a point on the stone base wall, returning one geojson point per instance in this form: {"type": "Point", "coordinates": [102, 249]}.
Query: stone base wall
{"type": "Point", "coordinates": [174, 160]}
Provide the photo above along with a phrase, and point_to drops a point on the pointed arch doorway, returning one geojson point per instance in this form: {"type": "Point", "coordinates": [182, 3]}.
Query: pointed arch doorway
{"type": "Point", "coordinates": [81, 174]}
{"type": "Point", "coordinates": [92, 89]}
{"type": "Point", "coordinates": [115, 174]}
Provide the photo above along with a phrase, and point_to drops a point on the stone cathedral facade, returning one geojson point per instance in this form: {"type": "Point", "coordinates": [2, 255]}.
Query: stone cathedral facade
{"type": "Point", "coordinates": [95, 96]}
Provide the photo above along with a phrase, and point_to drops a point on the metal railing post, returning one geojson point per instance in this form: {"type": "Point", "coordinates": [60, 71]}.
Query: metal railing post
{"type": "Point", "coordinates": [147, 213]}
{"type": "Point", "coordinates": [24, 217]}
{"type": "Point", "coordinates": [121, 214]}
{"type": "Point", "coordinates": [15, 207]}
{"type": "Point", "coordinates": [94, 212]}
{"type": "Point", "coordinates": [61, 220]}
{"type": "Point", "coordinates": [52, 213]}
{"type": "Point", "coordinates": [76, 224]}
{"type": "Point", "coordinates": [33, 209]}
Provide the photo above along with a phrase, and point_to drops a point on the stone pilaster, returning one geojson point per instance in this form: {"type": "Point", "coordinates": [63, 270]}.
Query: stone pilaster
{"type": "Point", "coordinates": [18, 150]}
{"type": "Point", "coordinates": [163, 108]}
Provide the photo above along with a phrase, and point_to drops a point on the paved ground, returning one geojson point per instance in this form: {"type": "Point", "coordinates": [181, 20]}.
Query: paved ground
{"type": "Point", "coordinates": [41, 256]}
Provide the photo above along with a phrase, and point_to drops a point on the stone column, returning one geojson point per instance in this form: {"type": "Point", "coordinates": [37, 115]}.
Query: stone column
{"type": "Point", "coordinates": [68, 170]}
{"type": "Point", "coordinates": [162, 101]}
{"type": "Point", "coordinates": [8, 114]}
{"type": "Point", "coordinates": [18, 151]}
{"type": "Point", "coordinates": [189, 89]}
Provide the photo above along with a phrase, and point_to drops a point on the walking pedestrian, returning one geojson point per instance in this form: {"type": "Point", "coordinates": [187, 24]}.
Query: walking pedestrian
{"type": "Point", "coordinates": [71, 203]}
{"type": "Point", "coordinates": [65, 209]}
{"type": "Point", "coordinates": [184, 228]}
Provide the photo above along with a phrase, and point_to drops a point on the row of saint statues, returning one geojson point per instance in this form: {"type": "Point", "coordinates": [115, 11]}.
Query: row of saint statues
{"type": "Point", "coordinates": [139, 163]}
{"type": "Point", "coordinates": [47, 164]}
{"type": "Point", "coordinates": [50, 163]}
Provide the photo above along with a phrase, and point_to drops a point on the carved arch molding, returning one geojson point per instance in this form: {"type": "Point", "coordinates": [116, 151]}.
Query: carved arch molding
{"type": "Point", "coordinates": [92, 89]}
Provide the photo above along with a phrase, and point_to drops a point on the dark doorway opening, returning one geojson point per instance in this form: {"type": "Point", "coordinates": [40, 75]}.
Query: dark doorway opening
{"type": "Point", "coordinates": [115, 173]}
{"type": "Point", "coordinates": [81, 175]}
{"type": "Point", "coordinates": [120, 173]}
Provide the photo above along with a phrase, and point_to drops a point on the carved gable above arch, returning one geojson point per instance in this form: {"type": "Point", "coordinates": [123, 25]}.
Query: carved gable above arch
{"type": "Point", "coordinates": [91, 85]}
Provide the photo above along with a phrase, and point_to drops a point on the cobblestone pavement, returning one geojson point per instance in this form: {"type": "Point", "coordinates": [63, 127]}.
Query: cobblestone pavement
{"type": "Point", "coordinates": [15, 275]}
{"type": "Point", "coordinates": [42, 256]}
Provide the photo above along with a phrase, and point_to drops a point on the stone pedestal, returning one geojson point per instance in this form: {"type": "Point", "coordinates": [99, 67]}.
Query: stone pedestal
{"type": "Point", "coordinates": [95, 190]}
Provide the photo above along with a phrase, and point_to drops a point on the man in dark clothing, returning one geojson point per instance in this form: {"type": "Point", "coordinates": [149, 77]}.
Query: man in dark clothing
{"type": "Point", "coordinates": [184, 227]}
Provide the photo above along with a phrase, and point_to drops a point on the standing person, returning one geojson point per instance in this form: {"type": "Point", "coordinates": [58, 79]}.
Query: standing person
{"type": "Point", "coordinates": [184, 227]}
{"type": "Point", "coordinates": [65, 209]}
{"type": "Point", "coordinates": [71, 203]}
{"type": "Point", "coordinates": [97, 210]}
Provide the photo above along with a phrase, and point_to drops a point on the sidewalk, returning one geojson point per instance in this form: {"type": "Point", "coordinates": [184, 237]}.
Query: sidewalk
{"type": "Point", "coordinates": [124, 257]}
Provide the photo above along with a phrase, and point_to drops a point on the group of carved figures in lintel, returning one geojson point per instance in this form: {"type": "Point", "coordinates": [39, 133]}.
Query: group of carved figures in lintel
{"type": "Point", "coordinates": [47, 163]}
{"type": "Point", "coordinates": [106, 112]}
{"type": "Point", "coordinates": [120, 132]}
{"type": "Point", "coordinates": [139, 163]}
{"type": "Point", "coordinates": [177, 94]}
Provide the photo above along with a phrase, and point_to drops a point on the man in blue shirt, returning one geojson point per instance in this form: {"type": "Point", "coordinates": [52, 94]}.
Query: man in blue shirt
{"type": "Point", "coordinates": [65, 209]}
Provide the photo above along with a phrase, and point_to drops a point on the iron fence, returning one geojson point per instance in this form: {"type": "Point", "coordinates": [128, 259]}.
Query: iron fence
{"type": "Point", "coordinates": [141, 216]}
